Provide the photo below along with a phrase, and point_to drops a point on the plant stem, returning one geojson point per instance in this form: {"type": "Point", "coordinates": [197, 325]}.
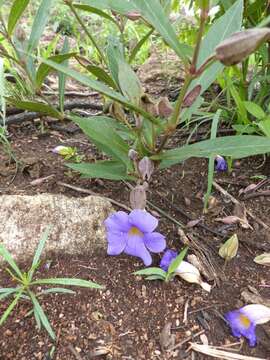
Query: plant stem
{"type": "Point", "coordinates": [73, 10]}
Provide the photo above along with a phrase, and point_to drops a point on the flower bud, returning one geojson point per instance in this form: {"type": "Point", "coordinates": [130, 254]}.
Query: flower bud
{"type": "Point", "coordinates": [138, 197]}
{"type": "Point", "coordinates": [263, 259]}
{"type": "Point", "coordinates": [20, 34]}
{"type": "Point", "coordinates": [164, 108]}
{"type": "Point", "coordinates": [240, 45]}
{"type": "Point", "coordinates": [133, 15]}
{"type": "Point", "coordinates": [229, 249]}
{"type": "Point", "coordinates": [192, 96]}
{"type": "Point", "coordinates": [133, 155]}
{"type": "Point", "coordinates": [146, 168]}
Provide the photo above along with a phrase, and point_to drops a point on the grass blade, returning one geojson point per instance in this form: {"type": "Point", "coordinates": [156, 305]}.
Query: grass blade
{"type": "Point", "coordinates": [10, 307]}
{"type": "Point", "coordinates": [8, 258]}
{"type": "Point", "coordinates": [56, 291]}
{"type": "Point", "coordinates": [39, 250]}
{"type": "Point", "coordinates": [68, 282]}
{"type": "Point", "coordinates": [42, 316]}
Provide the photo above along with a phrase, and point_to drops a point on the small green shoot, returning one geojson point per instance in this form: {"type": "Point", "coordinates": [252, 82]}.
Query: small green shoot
{"type": "Point", "coordinates": [26, 284]}
{"type": "Point", "coordinates": [156, 273]}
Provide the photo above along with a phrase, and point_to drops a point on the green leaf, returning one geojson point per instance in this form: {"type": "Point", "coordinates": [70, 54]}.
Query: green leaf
{"type": "Point", "coordinates": [139, 45]}
{"type": "Point", "coordinates": [41, 315]}
{"type": "Point", "coordinates": [115, 55]}
{"type": "Point", "coordinates": [151, 271]}
{"type": "Point", "coordinates": [56, 290]}
{"type": "Point", "coordinates": [264, 126]}
{"type": "Point", "coordinates": [101, 88]}
{"type": "Point", "coordinates": [101, 131]}
{"type": "Point", "coordinates": [5, 292]}
{"type": "Point", "coordinates": [129, 83]}
{"type": "Point", "coordinates": [238, 146]}
{"type": "Point", "coordinates": [68, 282]}
{"type": "Point", "coordinates": [38, 252]}
{"type": "Point", "coordinates": [8, 258]}
{"type": "Point", "coordinates": [153, 12]}
{"type": "Point", "coordinates": [16, 11]}
{"type": "Point", "coordinates": [222, 28]}
{"type": "Point", "coordinates": [39, 24]}
{"type": "Point", "coordinates": [10, 307]}
{"type": "Point", "coordinates": [35, 106]}
{"type": "Point", "coordinates": [96, 11]}
{"type": "Point", "coordinates": [177, 261]}
{"type": "Point", "coordinates": [45, 69]}
{"type": "Point", "coordinates": [62, 77]}
{"type": "Point", "coordinates": [254, 109]}
{"type": "Point", "coordinates": [119, 6]}
{"type": "Point", "coordinates": [154, 277]}
{"type": "Point", "coordinates": [111, 170]}
{"type": "Point", "coordinates": [37, 318]}
{"type": "Point", "coordinates": [101, 75]}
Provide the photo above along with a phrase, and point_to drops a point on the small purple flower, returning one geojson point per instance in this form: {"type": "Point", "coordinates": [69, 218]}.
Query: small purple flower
{"type": "Point", "coordinates": [134, 235]}
{"type": "Point", "coordinates": [220, 163]}
{"type": "Point", "coordinates": [244, 320]}
{"type": "Point", "coordinates": [167, 258]}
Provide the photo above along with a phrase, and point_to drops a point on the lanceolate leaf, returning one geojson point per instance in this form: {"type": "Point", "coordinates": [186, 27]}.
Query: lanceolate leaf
{"type": "Point", "coordinates": [100, 129]}
{"type": "Point", "coordinates": [129, 83]}
{"type": "Point", "coordinates": [44, 69]}
{"type": "Point", "coordinates": [111, 170]}
{"type": "Point", "coordinates": [154, 13]}
{"type": "Point", "coordinates": [222, 28]}
{"type": "Point", "coordinates": [100, 87]}
{"type": "Point", "coordinates": [16, 11]}
{"type": "Point", "coordinates": [39, 24]}
{"type": "Point", "coordinates": [68, 282]}
{"type": "Point", "coordinates": [235, 146]}
{"type": "Point", "coordinates": [101, 75]}
{"type": "Point", "coordinates": [95, 10]}
{"type": "Point", "coordinates": [35, 106]}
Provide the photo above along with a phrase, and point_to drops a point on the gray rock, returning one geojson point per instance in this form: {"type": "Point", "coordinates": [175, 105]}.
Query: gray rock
{"type": "Point", "coordinates": [77, 224]}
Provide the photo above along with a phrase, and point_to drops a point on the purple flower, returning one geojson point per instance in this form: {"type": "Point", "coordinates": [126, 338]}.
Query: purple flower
{"type": "Point", "coordinates": [167, 258]}
{"type": "Point", "coordinates": [220, 164]}
{"type": "Point", "coordinates": [244, 320]}
{"type": "Point", "coordinates": [134, 235]}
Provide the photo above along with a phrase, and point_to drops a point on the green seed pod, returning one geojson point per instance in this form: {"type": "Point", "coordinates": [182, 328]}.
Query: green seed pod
{"type": "Point", "coordinates": [240, 45]}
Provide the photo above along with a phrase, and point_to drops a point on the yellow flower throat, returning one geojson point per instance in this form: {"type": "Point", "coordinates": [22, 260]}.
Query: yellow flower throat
{"type": "Point", "coordinates": [133, 231]}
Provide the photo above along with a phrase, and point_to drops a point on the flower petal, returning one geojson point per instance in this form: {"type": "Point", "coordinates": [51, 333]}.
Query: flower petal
{"type": "Point", "coordinates": [155, 242]}
{"type": "Point", "coordinates": [167, 258]}
{"type": "Point", "coordinates": [143, 220]}
{"type": "Point", "coordinates": [116, 243]}
{"type": "Point", "coordinates": [258, 314]}
{"type": "Point", "coordinates": [117, 222]}
{"type": "Point", "coordinates": [241, 325]}
{"type": "Point", "coordinates": [135, 247]}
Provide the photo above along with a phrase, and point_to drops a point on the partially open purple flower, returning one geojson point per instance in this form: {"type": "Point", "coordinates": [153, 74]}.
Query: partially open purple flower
{"type": "Point", "coordinates": [134, 235]}
{"type": "Point", "coordinates": [220, 163]}
{"type": "Point", "coordinates": [167, 258]}
{"type": "Point", "coordinates": [244, 320]}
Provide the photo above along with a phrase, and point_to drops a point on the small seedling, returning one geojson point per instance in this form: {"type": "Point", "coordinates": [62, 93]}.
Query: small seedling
{"type": "Point", "coordinates": [26, 285]}
{"type": "Point", "coordinates": [156, 273]}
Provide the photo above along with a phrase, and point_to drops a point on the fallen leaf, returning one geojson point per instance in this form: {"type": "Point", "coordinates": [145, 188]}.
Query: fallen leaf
{"type": "Point", "coordinates": [263, 259]}
{"type": "Point", "coordinates": [229, 249]}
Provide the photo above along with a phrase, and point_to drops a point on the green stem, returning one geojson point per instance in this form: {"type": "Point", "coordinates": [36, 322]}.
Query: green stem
{"type": "Point", "coordinates": [73, 10]}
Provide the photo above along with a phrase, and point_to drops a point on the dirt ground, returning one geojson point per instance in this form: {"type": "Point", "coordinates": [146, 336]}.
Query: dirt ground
{"type": "Point", "coordinates": [125, 320]}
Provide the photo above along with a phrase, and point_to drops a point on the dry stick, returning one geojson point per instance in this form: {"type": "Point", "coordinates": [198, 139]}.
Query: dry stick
{"type": "Point", "coordinates": [256, 194]}
{"type": "Point", "coordinates": [187, 340]}
{"type": "Point", "coordinates": [184, 213]}
{"type": "Point", "coordinates": [27, 116]}
{"type": "Point", "coordinates": [72, 93]}
{"type": "Point", "coordinates": [235, 201]}
{"type": "Point", "coordinates": [86, 191]}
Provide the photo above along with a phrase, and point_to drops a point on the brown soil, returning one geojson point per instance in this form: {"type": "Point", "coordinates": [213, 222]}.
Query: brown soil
{"type": "Point", "coordinates": [126, 319]}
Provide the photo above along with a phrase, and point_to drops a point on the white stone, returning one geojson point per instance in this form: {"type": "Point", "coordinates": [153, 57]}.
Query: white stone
{"type": "Point", "coordinates": [77, 224]}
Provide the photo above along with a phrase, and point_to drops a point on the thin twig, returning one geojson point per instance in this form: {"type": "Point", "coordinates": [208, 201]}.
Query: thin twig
{"type": "Point", "coordinates": [256, 194]}
{"type": "Point", "coordinates": [187, 340]}
{"type": "Point", "coordinates": [235, 201]}
{"type": "Point", "coordinates": [86, 191]}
